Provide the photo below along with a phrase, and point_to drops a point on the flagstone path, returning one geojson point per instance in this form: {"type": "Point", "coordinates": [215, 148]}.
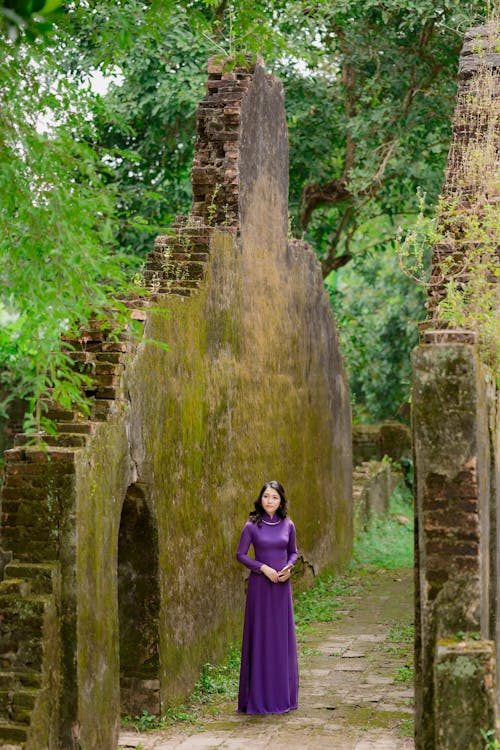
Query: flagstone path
{"type": "Point", "coordinates": [349, 698]}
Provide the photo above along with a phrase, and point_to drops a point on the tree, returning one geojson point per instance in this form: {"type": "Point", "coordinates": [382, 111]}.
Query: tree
{"type": "Point", "coordinates": [371, 122]}
{"type": "Point", "coordinates": [147, 121]}
{"type": "Point", "coordinates": [148, 126]}
{"type": "Point", "coordinates": [58, 257]}
{"type": "Point", "coordinates": [369, 93]}
{"type": "Point", "coordinates": [376, 307]}
{"type": "Point", "coordinates": [30, 18]}
{"type": "Point", "coordinates": [369, 89]}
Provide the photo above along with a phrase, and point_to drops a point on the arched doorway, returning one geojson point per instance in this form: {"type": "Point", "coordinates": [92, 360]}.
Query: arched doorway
{"type": "Point", "coordinates": [138, 605]}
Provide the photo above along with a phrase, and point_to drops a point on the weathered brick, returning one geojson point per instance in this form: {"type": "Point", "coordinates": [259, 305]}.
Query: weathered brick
{"type": "Point", "coordinates": [14, 454]}
{"type": "Point", "coordinates": [451, 548]}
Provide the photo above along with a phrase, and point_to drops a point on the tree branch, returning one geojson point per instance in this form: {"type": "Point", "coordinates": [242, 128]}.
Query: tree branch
{"type": "Point", "coordinates": [333, 264]}
{"type": "Point", "coordinates": [316, 194]}
{"type": "Point", "coordinates": [333, 261]}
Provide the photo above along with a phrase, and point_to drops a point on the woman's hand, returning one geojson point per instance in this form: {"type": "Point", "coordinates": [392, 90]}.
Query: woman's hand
{"type": "Point", "coordinates": [285, 573]}
{"type": "Point", "coordinates": [270, 573]}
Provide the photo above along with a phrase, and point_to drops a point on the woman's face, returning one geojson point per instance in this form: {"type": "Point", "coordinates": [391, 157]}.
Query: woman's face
{"type": "Point", "coordinates": [270, 501]}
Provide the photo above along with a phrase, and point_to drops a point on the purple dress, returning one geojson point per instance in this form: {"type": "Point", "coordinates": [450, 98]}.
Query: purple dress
{"type": "Point", "coordinates": [269, 676]}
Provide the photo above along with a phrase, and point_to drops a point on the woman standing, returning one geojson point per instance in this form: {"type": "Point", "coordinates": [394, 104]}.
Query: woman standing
{"type": "Point", "coordinates": [269, 671]}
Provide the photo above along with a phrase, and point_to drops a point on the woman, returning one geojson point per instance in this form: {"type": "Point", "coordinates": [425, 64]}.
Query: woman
{"type": "Point", "coordinates": [269, 671]}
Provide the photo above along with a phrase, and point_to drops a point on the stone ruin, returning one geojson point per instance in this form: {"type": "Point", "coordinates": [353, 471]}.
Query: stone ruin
{"type": "Point", "coordinates": [456, 438]}
{"type": "Point", "coordinates": [118, 572]}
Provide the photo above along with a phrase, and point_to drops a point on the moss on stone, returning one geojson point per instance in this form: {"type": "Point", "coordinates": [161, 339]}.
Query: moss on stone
{"type": "Point", "coordinates": [227, 408]}
{"type": "Point", "coordinates": [252, 388]}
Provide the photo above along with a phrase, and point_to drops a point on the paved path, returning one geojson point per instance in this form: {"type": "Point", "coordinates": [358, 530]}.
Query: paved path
{"type": "Point", "coordinates": [348, 697]}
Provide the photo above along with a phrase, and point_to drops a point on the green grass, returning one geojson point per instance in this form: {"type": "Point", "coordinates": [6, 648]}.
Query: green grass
{"type": "Point", "coordinates": [404, 674]}
{"type": "Point", "coordinates": [217, 680]}
{"type": "Point", "coordinates": [401, 632]}
{"type": "Point", "coordinates": [216, 685]}
{"type": "Point", "coordinates": [387, 544]}
{"type": "Point", "coordinates": [406, 728]}
{"type": "Point", "coordinates": [321, 602]}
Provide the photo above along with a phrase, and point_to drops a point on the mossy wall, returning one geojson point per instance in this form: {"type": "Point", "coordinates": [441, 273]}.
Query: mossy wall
{"type": "Point", "coordinates": [246, 393]}
{"type": "Point", "coordinates": [454, 494]}
{"type": "Point", "coordinates": [252, 388]}
{"type": "Point", "coordinates": [464, 677]}
{"type": "Point", "coordinates": [103, 473]}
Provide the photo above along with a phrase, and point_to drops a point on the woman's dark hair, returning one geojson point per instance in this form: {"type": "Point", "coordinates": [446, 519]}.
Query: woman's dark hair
{"type": "Point", "coordinates": [256, 515]}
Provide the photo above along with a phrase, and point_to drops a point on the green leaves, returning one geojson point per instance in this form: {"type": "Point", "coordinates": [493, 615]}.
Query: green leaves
{"type": "Point", "coordinates": [87, 179]}
{"type": "Point", "coordinates": [375, 125]}
{"type": "Point", "coordinates": [26, 18]}
{"type": "Point", "coordinates": [377, 308]}
{"type": "Point", "coordinates": [58, 261]}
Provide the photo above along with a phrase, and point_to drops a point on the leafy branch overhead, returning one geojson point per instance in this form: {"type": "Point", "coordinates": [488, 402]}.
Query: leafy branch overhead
{"type": "Point", "coordinates": [369, 93]}
{"type": "Point", "coordinates": [385, 88]}
{"type": "Point", "coordinates": [58, 257]}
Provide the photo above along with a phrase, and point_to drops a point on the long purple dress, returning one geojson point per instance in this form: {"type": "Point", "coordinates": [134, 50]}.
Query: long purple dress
{"type": "Point", "coordinates": [269, 676]}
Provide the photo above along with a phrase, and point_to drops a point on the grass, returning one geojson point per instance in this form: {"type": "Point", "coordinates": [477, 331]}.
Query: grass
{"type": "Point", "coordinates": [321, 602]}
{"type": "Point", "coordinates": [401, 632]}
{"type": "Point", "coordinates": [404, 674]}
{"type": "Point", "coordinates": [406, 728]}
{"type": "Point", "coordinates": [386, 544]}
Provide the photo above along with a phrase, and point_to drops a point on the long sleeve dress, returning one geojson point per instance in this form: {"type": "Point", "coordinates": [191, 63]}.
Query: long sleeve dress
{"type": "Point", "coordinates": [269, 670]}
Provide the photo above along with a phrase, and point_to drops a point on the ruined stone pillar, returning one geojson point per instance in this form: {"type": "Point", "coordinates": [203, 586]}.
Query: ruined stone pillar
{"type": "Point", "coordinates": [452, 459]}
{"type": "Point", "coordinates": [455, 429]}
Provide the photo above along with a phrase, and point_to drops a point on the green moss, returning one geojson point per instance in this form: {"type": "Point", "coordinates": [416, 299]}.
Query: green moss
{"type": "Point", "coordinates": [228, 407]}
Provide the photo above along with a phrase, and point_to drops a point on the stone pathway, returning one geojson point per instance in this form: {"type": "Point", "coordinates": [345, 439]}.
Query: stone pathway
{"type": "Point", "coordinates": [348, 697]}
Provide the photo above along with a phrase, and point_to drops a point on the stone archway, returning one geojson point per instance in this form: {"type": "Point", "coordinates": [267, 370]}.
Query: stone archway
{"type": "Point", "coordinates": [138, 605]}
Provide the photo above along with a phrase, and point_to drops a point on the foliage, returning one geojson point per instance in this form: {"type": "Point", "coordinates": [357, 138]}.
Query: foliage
{"type": "Point", "coordinates": [469, 221]}
{"type": "Point", "coordinates": [466, 227]}
{"type": "Point", "coordinates": [369, 123]}
{"type": "Point", "coordinates": [407, 728]}
{"type": "Point", "coordinates": [490, 738]}
{"type": "Point", "coordinates": [216, 683]}
{"type": "Point", "coordinates": [386, 544]}
{"type": "Point", "coordinates": [369, 91]}
{"type": "Point", "coordinates": [143, 723]}
{"type": "Point", "coordinates": [27, 18]}
{"type": "Point", "coordinates": [156, 67]}
{"type": "Point", "coordinates": [321, 601]}
{"type": "Point", "coordinates": [219, 680]}
{"type": "Point", "coordinates": [401, 632]}
{"type": "Point", "coordinates": [404, 674]}
{"type": "Point", "coordinates": [147, 124]}
{"type": "Point", "coordinates": [470, 273]}
{"type": "Point", "coordinates": [58, 261]}
{"type": "Point", "coordinates": [376, 307]}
